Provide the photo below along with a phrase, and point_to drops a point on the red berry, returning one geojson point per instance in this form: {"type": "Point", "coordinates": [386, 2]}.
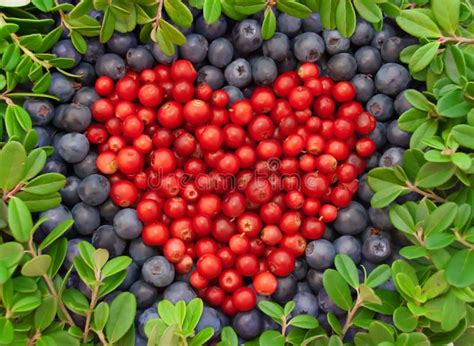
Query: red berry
{"type": "Point", "coordinates": [155, 233]}
{"type": "Point", "coordinates": [265, 283]}
{"type": "Point", "coordinates": [281, 262]}
{"type": "Point", "coordinates": [244, 299]}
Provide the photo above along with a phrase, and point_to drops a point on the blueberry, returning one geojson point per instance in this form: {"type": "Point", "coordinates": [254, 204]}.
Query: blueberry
{"type": "Point", "coordinates": [158, 271]}
{"type": "Point", "coordinates": [368, 60]}
{"type": "Point", "coordinates": [269, 324]}
{"type": "Point", "coordinates": [391, 79]}
{"type": "Point", "coordinates": [264, 70]}
{"type": "Point", "coordinates": [277, 47]}
{"type": "Point", "coordinates": [364, 86]}
{"type": "Point", "coordinates": [69, 191]}
{"type": "Point", "coordinates": [401, 104]}
{"type": "Point", "coordinates": [379, 135]}
{"type": "Point", "coordinates": [289, 64]}
{"type": "Point", "coordinates": [234, 93]}
{"type": "Point", "coordinates": [286, 289]}
{"type": "Point", "coordinates": [71, 252]}
{"type": "Point", "coordinates": [308, 47]}
{"type": "Point", "coordinates": [140, 341]}
{"type": "Point", "coordinates": [351, 220]}
{"type": "Point", "coordinates": [381, 36]}
{"type": "Point", "coordinates": [106, 238]}
{"type": "Point", "coordinates": [148, 314]}
{"type": "Point", "coordinates": [248, 324]}
{"type": "Point", "coordinates": [288, 25]}
{"type": "Point", "coordinates": [380, 219]}
{"type": "Point", "coordinates": [140, 58]}
{"type": "Point", "coordinates": [373, 161]}
{"type": "Point", "coordinates": [41, 111]}
{"type": "Point", "coordinates": [313, 23]}
{"type": "Point", "coordinates": [376, 249]}
{"type": "Point", "coordinates": [246, 36]}
{"type": "Point", "coordinates": [62, 87]}
{"type": "Point", "coordinates": [86, 73]}
{"type": "Point", "coordinates": [364, 192]}
{"type": "Point", "coordinates": [342, 66]}
{"type": "Point", "coordinates": [145, 294]}
{"type": "Point", "coordinates": [195, 49]}
{"type": "Point", "coordinates": [320, 254]}
{"type": "Point", "coordinates": [329, 233]}
{"type": "Point", "coordinates": [97, 15]}
{"type": "Point", "coordinates": [110, 65]}
{"type": "Point", "coordinates": [209, 318]}
{"type": "Point", "coordinates": [220, 52]}
{"type": "Point", "coordinates": [108, 210]}
{"type": "Point", "coordinates": [126, 224]}
{"type": "Point", "coordinates": [391, 49]}
{"type": "Point", "coordinates": [140, 252]}
{"type": "Point", "coordinates": [179, 291]}
{"type": "Point", "coordinates": [95, 50]}
{"type": "Point", "coordinates": [349, 246]}
{"type": "Point", "coordinates": [305, 303]}
{"type": "Point", "coordinates": [44, 137]}
{"type": "Point", "coordinates": [54, 217]}
{"type": "Point", "coordinates": [315, 279]}
{"type": "Point", "coordinates": [86, 97]}
{"type": "Point", "coordinates": [238, 73]}
{"type": "Point", "coordinates": [161, 57]}
{"type": "Point", "coordinates": [133, 272]}
{"type": "Point", "coordinates": [58, 115]}
{"type": "Point", "coordinates": [65, 49]}
{"type": "Point", "coordinates": [303, 286]}
{"type": "Point", "coordinates": [374, 231]}
{"type": "Point", "coordinates": [54, 165]}
{"type": "Point", "coordinates": [120, 43]}
{"type": "Point", "coordinates": [211, 31]}
{"type": "Point", "coordinates": [396, 136]}
{"type": "Point", "coordinates": [86, 218]}
{"type": "Point", "coordinates": [76, 118]}
{"type": "Point", "coordinates": [87, 166]}
{"type": "Point", "coordinates": [335, 42]}
{"type": "Point", "coordinates": [381, 107]}
{"type": "Point", "coordinates": [363, 34]}
{"type": "Point", "coordinates": [301, 268]}
{"type": "Point", "coordinates": [392, 157]}
{"type": "Point", "coordinates": [389, 284]}
{"type": "Point", "coordinates": [327, 305]}
{"type": "Point", "coordinates": [212, 76]}
{"type": "Point", "coordinates": [94, 189]}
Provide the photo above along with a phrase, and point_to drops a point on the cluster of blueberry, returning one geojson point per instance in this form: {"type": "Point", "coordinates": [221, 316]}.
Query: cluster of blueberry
{"type": "Point", "coordinates": [234, 57]}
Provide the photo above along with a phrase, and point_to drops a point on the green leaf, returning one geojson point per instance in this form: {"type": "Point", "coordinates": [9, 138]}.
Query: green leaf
{"type": "Point", "coordinates": [79, 42]}
{"type": "Point", "coordinates": [164, 42]}
{"type": "Point", "coordinates": [345, 18]}
{"type": "Point", "coordinates": [43, 5]}
{"type": "Point", "coordinates": [116, 265]}
{"type": "Point", "coordinates": [180, 313]}
{"type": "Point", "coordinates": [12, 163]}
{"type": "Point", "coordinates": [384, 197]}
{"type": "Point", "coordinates": [57, 251]}
{"type": "Point", "coordinates": [228, 7]}
{"type": "Point", "coordinates": [57, 232]}
{"type": "Point", "coordinates": [463, 134]}
{"type": "Point", "coordinates": [211, 11]}
{"type": "Point", "coordinates": [423, 56]}
{"type": "Point", "coordinates": [26, 303]}
{"type": "Point", "coordinates": [202, 337]}
{"type": "Point", "coordinates": [462, 160]}
{"type": "Point", "coordinates": [413, 252]}
{"type": "Point", "coordinates": [34, 163]}
{"type": "Point", "coordinates": [418, 24]}
{"type": "Point", "coordinates": [380, 332]}
{"type": "Point", "coordinates": [11, 57]}
{"type": "Point", "coordinates": [418, 100]}
{"type": "Point", "coordinates": [193, 314]}
{"type": "Point", "coordinates": [11, 253]}
{"type": "Point", "coordinates": [435, 285]}
{"type": "Point", "coordinates": [19, 219]}
{"type": "Point", "coordinates": [289, 307]}
{"type": "Point", "coordinates": [45, 314]}
{"type": "Point", "coordinates": [101, 257]}
{"type": "Point", "coordinates": [108, 26]}
{"type": "Point", "coordinates": [413, 159]}
{"type": "Point", "coordinates": [438, 241]}
{"type": "Point", "coordinates": [37, 266]}
{"type": "Point", "coordinates": [45, 184]}
{"type": "Point", "coordinates": [180, 14]}
{"type": "Point", "coordinates": [122, 315]}
{"type": "Point", "coordinates": [75, 301]}
{"type": "Point", "coordinates": [293, 8]}
{"type": "Point", "coordinates": [425, 130]}
{"type": "Point", "coordinates": [412, 119]}
{"type": "Point", "coordinates": [402, 219]}
{"type": "Point", "coordinates": [334, 323]}
{"type": "Point", "coordinates": [446, 14]}
{"type": "Point", "coordinates": [38, 203]}
{"type": "Point", "coordinates": [459, 271]}
{"type": "Point", "coordinates": [166, 312]}
{"type": "Point", "coordinates": [346, 267]}
{"type": "Point", "coordinates": [228, 337]}
{"type": "Point", "coordinates": [6, 331]}
{"type": "Point", "coordinates": [327, 11]}
{"type": "Point", "coordinates": [337, 289]}
{"type": "Point", "coordinates": [368, 10]}
{"type": "Point", "coordinates": [367, 295]}
{"type": "Point", "coordinates": [268, 25]}
{"type": "Point", "coordinates": [441, 218]}
{"type": "Point", "coordinates": [454, 64]}
{"type": "Point", "coordinates": [271, 337]}
{"type": "Point", "coordinates": [304, 321]}
{"type": "Point", "coordinates": [453, 105]}
{"type": "Point", "coordinates": [172, 32]}
{"type": "Point", "coordinates": [404, 319]}
{"type": "Point", "coordinates": [379, 178]}
{"type": "Point", "coordinates": [101, 315]}
{"type": "Point", "coordinates": [433, 174]}
{"type": "Point", "coordinates": [111, 283]}
{"type": "Point", "coordinates": [378, 276]}
{"type": "Point", "coordinates": [271, 309]}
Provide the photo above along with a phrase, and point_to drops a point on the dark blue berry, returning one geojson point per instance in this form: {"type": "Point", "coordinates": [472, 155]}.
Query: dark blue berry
{"type": "Point", "coordinates": [288, 25]}
{"type": "Point", "coordinates": [73, 147]}
{"type": "Point", "coordinates": [158, 271]}
{"type": "Point", "coordinates": [62, 87]}
{"type": "Point", "coordinates": [212, 76]}
{"type": "Point", "coordinates": [211, 31]}
{"type": "Point", "coordinates": [320, 254]}
{"type": "Point", "coordinates": [41, 111]}
{"type": "Point", "coordinates": [351, 220]}
{"type": "Point", "coordinates": [342, 66]}
{"type": "Point", "coordinates": [376, 249]}
{"type": "Point", "coordinates": [105, 237]}
{"type": "Point", "coordinates": [220, 52]}
{"type": "Point", "coordinates": [95, 49]}
{"type": "Point", "coordinates": [246, 36]}
{"type": "Point", "coordinates": [392, 157]}
{"type": "Point", "coordinates": [381, 107]}
{"type": "Point", "coordinates": [76, 118]}
{"type": "Point", "coordinates": [86, 218]}
{"type": "Point", "coordinates": [139, 58]}
{"type": "Point", "coordinates": [277, 47]}
{"type": "Point", "coordinates": [145, 294]}
{"type": "Point", "coordinates": [392, 78]}
{"type": "Point", "coordinates": [195, 49]}
{"type": "Point", "coordinates": [368, 59]}
{"type": "Point", "coordinates": [248, 324]}
{"type": "Point", "coordinates": [94, 189]}
{"type": "Point", "coordinates": [264, 70]}
{"type": "Point", "coordinates": [120, 43]}
{"type": "Point", "coordinates": [313, 23]}
{"type": "Point", "coordinates": [179, 291]}
{"type": "Point", "coordinates": [54, 217]}
{"type": "Point", "coordinates": [108, 210]}
{"type": "Point", "coordinates": [140, 252]}
{"type": "Point", "coordinates": [87, 166]}
{"type": "Point", "coordinates": [86, 97]}
{"type": "Point", "coordinates": [396, 136]}
{"type": "Point", "coordinates": [86, 73]}
{"type": "Point", "coordinates": [110, 65]}
{"type": "Point", "coordinates": [308, 47]}
{"type": "Point", "coordinates": [363, 34]}
{"type": "Point", "coordinates": [335, 42]}
{"type": "Point", "coordinates": [286, 289]}
{"type": "Point", "coordinates": [238, 73]}
{"type": "Point", "coordinates": [126, 224]}
{"type": "Point", "coordinates": [364, 86]}
{"type": "Point", "coordinates": [349, 246]}
{"type": "Point", "coordinates": [65, 49]}
{"type": "Point", "coordinates": [161, 57]}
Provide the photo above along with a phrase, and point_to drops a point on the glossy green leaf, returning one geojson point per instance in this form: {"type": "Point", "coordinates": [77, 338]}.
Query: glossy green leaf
{"type": "Point", "coordinates": [438, 241]}
{"type": "Point", "coordinates": [6, 331]}
{"type": "Point", "coordinates": [446, 14]}
{"type": "Point", "coordinates": [37, 266]}
{"type": "Point", "coordinates": [211, 10]}
{"type": "Point", "coordinates": [271, 337]}
{"type": "Point", "coordinates": [164, 42]}
{"type": "Point", "coordinates": [453, 104]}
{"type": "Point", "coordinates": [425, 130]}
{"type": "Point", "coordinates": [368, 10]}
{"type": "Point", "coordinates": [228, 337]}
{"type": "Point", "coordinates": [34, 163]}
{"type": "Point", "coordinates": [101, 315]}
{"type": "Point", "coordinates": [441, 218]}
{"type": "Point", "coordinates": [19, 219]}
{"type": "Point", "coordinates": [404, 319]}
{"type": "Point", "coordinates": [293, 8]}
{"type": "Point", "coordinates": [46, 313]}
{"type": "Point", "coordinates": [463, 134]}
{"type": "Point", "coordinates": [434, 174]}
{"type": "Point", "coordinates": [385, 196]}
{"type": "Point", "coordinates": [304, 321]}
{"type": "Point", "coordinates": [412, 119]}
{"type": "Point", "coordinates": [423, 56]}
{"type": "Point", "coordinates": [345, 18]}
{"type": "Point", "coordinates": [327, 11]}
{"type": "Point", "coordinates": [193, 314]}
{"type": "Point", "coordinates": [337, 289]}
{"type": "Point", "coordinates": [378, 276]}
{"type": "Point", "coordinates": [271, 309]}
{"type": "Point", "coordinates": [122, 316]}
{"type": "Point", "coordinates": [38, 203]}
{"type": "Point", "coordinates": [368, 295]}
{"type": "Point", "coordinates": [180, 14]}
{"type": "Point", "coordinates": [418, 24]}
{"type": "Point", "coordinates": [201, 338]}
{"type": "Point", "coordinates": [108, 26]}
{"type": "Point", "coordinates": [172, 32]}
{"type": "Point", "coordinates": [346, 267]}
{"type": "Point", "coordinates": [26, 303]}
{"type": "Point", "coordinates": [116, 265]}
{"type": "Point", "coordinates": [57, 251]}
{"type": "Point", "coordinates": [166, 312]}
{"type": "Point", "coordinates": [459, 271]}
{"type": "Point", "coordinates": [12, 163]}
{"type": "Point", "coordinates": [454, 64]}
{"type": "Point", "coordinates": [45, 184]}
{"type": "Point", "coordinates": [268, 25]}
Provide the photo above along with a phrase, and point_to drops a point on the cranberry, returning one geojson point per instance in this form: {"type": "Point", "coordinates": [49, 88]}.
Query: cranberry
{"type": "Point", "coordinates": [265, 283]}
{"type": "Point", "coordinates": [174, 250]}
{"type": "Point", "coordinates": [230, 280]}
{"type": "Point", "coordinates": [155, 233]}
{"type": "Point", "coordinates": [281, 262]}
{"type": "Point", "coordinates": [244, 299]}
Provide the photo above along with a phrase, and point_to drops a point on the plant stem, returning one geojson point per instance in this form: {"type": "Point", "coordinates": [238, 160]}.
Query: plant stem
{"type": "Point", "coordinates": [351, 314]}
{"type": "Point", "coordinates": [158, 14]}
{"type": "Point", "coordinates": [12, 192]}
{"type": "Point", "coordinates": [102, 339]}
{"type": "Point", "coordinates": [52, 290]}
{"type": "Point", "coordinates": [461, 240]}
{"type": "Point", "coordinates": [7, 100]}
{"type": "Point", "coordinates": [94, 298]}
{"type": "Point", "coordinates": [284, 326]}
{"type": "Point", "coordinates": [430, 195]}
{"type": "Point", "coordinates": [454, 38]}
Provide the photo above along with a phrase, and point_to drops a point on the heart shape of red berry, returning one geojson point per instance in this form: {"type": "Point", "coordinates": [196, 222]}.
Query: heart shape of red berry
{"type": "Point", "coordinates": [239, 190]}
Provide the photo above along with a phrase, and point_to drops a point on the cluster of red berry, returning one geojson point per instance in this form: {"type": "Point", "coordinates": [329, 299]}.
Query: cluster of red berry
{"type": "Point", "coordinates": [241, 189]}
